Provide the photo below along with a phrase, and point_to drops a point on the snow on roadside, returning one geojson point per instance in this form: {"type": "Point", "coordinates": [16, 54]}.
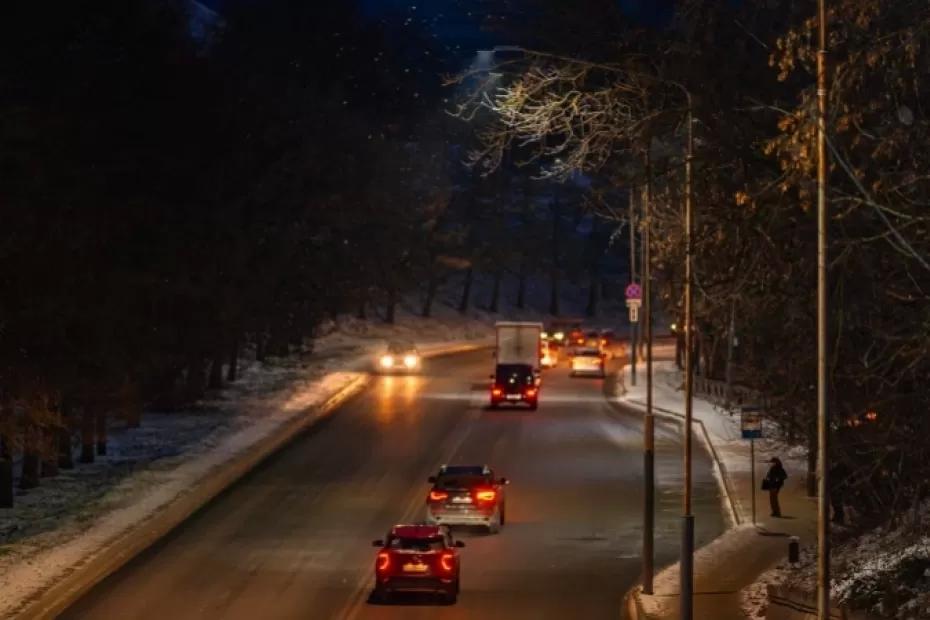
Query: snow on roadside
{"type": "Point", "coordinates": [886, 564]}
{"type": "Point", "coordinates": [723, 426]}
{"type": "Point", "coordinates": [70, 517]}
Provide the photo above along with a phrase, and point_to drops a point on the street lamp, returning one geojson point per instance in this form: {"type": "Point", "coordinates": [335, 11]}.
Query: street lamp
{"type": "Point", "coordinates": [823, 422]}
{"type": "Point", "coordinates": [687, 541]}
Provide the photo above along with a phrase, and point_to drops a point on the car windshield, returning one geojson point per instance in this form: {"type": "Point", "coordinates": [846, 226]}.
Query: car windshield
{"type": "Point", "coordinates": [416, 544]}
{"type": "Point", "coordinates": [509, 373]}
{"type": "Point", "coordinates": [400, 347]}
{"type": "Point", "coordinates": [588, 353]}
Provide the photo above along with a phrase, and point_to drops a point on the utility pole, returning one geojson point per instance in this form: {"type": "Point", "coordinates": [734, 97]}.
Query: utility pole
{"type": "Point", "coordinates": [632, 280]}
{"type": "Point", "coordinates": [687, 532]}
{"type": "Point", "coordinates": [649, 496]}
{"type": "Point", "coordinates": [823, 417]}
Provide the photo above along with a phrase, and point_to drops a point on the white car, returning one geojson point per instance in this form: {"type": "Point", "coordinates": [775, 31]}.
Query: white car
{"type": "Point", "coordinates": [589, 361]}
{"type": "Point", "coordinates": [399, 357]}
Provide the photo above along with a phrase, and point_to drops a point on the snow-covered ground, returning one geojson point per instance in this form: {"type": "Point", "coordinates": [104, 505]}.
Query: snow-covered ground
{"type": "Point", "coordinates": [885, 572]}
{"type": "Point", "coordinates": [72, 516]}
{"type": "Point", "coordinates": [723, 427]}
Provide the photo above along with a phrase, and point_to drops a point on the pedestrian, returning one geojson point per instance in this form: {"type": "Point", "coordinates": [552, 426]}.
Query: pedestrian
{"type": "Point", "coordinates": [773, 482]}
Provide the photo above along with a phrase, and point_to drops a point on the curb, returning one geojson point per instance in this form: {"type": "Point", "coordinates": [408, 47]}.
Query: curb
{"type": "Point", "coordinates": [82, 577]}
{"type": "Point", "coordinates": [125, 547]}
{"type": "Point", "coordinates": [709, 444]}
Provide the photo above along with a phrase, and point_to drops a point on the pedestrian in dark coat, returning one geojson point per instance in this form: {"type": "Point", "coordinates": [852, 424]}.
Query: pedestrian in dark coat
{"type": "Point", "coordinates": [773, 482]}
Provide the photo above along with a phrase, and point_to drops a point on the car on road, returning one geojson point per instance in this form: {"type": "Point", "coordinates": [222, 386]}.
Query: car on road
{"type": "Point", "coordinates": [589, 361]}
{"type": "Point", "coordinates": [549, 355]}
{"type": "Point", "coordinates": [515, 383]}
{"type": "Point", "coordinates": [399, 357]}
{"type": "Point", "coordinates": [467, 495]}
{"type": "Point", "coordinates": [418, 558]}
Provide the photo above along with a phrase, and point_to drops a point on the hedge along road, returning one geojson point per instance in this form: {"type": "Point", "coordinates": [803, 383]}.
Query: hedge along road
{"type": "Point", "coordinates": [292, 539]}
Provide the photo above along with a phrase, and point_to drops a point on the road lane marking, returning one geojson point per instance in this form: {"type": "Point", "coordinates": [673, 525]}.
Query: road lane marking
{"type": "Point", "coordinates": [460, 433]}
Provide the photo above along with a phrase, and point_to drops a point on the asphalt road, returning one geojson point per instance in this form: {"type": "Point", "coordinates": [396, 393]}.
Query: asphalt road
{"type": "Point", "coordinates": [292, 539]}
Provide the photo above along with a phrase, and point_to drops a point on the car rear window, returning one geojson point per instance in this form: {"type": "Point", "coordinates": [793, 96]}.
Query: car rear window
{"type": "Point", "coordinates": [514, 374]}
{"type": "Point", "coordinates": [462, 482]}
{"type": "Point", "coordinates": [416, 544]}
{"type": "Point", "coordinates": [588, 353]}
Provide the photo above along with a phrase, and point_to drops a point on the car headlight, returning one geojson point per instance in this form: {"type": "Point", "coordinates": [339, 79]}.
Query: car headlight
{"type": "Point", "coordinates": [410, 361]}
{"type": "Point", "coordinates": [559, 335]}
{"type": "Point", "coordinates": [387, 361]}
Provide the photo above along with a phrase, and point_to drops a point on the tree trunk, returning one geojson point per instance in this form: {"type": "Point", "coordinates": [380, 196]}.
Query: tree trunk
{"type": "Point", "coordinates": [29, 478]}
{"type": "Point", "coordinates": [101, 420]}
{"type": "Point", "coordinates": [431, 286]}
{"type": "Point", "coordinates": [496, 291]}
{"type": "Point", "coordinates": [554, 275]}
{"type": "Point", "coordinates": [193, 388]}
{"type": "Point", "coordinates": [6, 473]}
{"type": "Point", "coordinates": [50, 449]}
{"type": "Point", "coordinates": [87, 435]}
{"type": "Point", "coordinates": [391, 309]}
{"type": "Point", "coordinates": [259, 348]}
{"type": "Point", "coordinates": [591, 309]}
{"type": "Point", "coordinates": [216, 372]}
{"type": "Point", "coordinates": [466, 291]}
{"type": "Point", "coordinates": [679, 349]}
{"type": "Point", "coordinates": [812, 459]}
{"type": "Point", "coordinates": [65, 455]}
{"type": "Point", "coordinates": [521, 284]}
{"type": "Point", "coordinates": [232, 373]}
{"type": "Point", "coordinates": [360, 312]}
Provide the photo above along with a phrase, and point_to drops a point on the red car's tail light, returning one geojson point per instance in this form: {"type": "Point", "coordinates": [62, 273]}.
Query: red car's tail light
{"type": "Point", "coordinates": [384, 560]}
{"type": "Point", "coordinates": [496, 391]}
{"type": "Point", "coordinates": [531, 392]}
{"type": "Point", "coordinates": [447, 561]}
{"type": "Point", "coordinates": [486, 495]}
{"type": "Point", "coordinates": [437, 496]}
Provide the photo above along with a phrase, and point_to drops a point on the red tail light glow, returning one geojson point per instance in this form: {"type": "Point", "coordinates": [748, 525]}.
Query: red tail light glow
{"type": "Point", "coordinates": [496, 391]}
{"type": "Point", "coordinates": [486, 495]}
{"type": "Point", "coordinates": [531, 392]}
{"type": "Point", "coordinates": [437, 496]}
{"type": "Point", "coordinates": [384, 560]}
{"type": "Point", "coordinates": [447, 561]}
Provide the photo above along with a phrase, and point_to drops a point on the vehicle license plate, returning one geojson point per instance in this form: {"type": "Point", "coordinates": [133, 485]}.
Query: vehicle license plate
{"type": "Point", "coordinates": [461, 500]}
{"type": "Point", "coordinates": [513, 397]}
{"type": "Point", "coordinates": [415, 568]}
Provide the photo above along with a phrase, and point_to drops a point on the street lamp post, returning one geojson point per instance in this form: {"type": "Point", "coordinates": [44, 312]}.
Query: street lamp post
{"type": "Point", "coordinates": [649, 495]}
{"type": "Point", "coordinates": [823, 420]}
{"type": "Point", "coordinates": [686, 573]}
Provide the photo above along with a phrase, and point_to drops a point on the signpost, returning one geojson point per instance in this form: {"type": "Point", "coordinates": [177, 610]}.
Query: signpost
{"type": "Point", "coordinates": [750, 419]}
{"type": "Point", "coordinates": [634, 299]}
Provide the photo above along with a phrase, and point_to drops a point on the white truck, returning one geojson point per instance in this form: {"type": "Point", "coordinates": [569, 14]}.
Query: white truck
{"type": "Point", "coordinates": [517, 361]}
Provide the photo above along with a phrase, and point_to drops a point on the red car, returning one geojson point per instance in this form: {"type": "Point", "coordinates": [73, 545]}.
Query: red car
{"type": "Point", "coordinates": [418, 558]}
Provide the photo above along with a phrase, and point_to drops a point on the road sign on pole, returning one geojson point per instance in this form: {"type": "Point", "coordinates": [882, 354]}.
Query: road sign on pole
{"type": "Point", "coordinates": [634, 304]}
{"type": "Point", "coordinates": [751, 422]}
{"type": "Point", "coordinates": [633, 291]}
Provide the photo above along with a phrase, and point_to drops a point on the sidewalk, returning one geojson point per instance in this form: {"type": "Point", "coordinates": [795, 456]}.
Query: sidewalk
{"type": "Point", "coordinates": [737, 558]}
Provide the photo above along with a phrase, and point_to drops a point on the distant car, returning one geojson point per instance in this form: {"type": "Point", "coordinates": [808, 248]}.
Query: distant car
{"type": "Point", "coordinates": [418, 558]}
{"type": "Point", "coordinates": [515, 383]}
{"type": "Point", "coordinates": [400, 357]}
{"type": "Point", "coordinates": [549, 356]}
{"type": "Point", "coordinates": [589, 361]}
{"type": "Point", "coordinates": [576, 337]}
{"type": "Point", "coordinates": [467, 495]}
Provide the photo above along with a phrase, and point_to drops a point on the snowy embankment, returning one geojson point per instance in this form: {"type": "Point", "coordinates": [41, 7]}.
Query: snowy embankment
{"type": "Point", "coordinates": [65, 524]}
{"type": "Point", "coordinates": [885, 572]}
